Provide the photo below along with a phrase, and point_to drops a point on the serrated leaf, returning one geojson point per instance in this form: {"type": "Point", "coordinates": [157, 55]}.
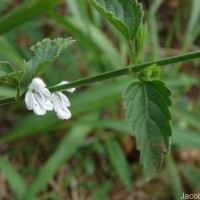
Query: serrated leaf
{"type": "Point", "coordinates": [147, 111]}
{"type": "Point", "coordinates": [46, 53]}
{"type": "Point", "coordinates": [8, 76]}
{"type": "Point", "coordinates": [126, 16]}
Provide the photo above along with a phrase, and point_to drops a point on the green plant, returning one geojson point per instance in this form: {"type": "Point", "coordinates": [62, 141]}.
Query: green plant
{"type": "Point", "coordinates": [146, 88]}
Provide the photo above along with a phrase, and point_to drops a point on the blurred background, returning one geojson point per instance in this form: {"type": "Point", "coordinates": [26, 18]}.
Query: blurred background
{"type": "Point", "coordinates": [92, 155]}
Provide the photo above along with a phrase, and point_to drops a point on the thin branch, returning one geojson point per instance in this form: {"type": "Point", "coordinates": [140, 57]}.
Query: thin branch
{"type": "Point", "coordinates": [114, 73]}
{"type": "Point", "coordinates": [127, 70]}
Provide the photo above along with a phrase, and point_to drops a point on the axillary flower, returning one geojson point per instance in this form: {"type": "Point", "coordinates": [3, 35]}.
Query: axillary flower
{"type": "Point", "coordinates": [38, 97]}
{"type": "Point", "coordinates": [61, 102]}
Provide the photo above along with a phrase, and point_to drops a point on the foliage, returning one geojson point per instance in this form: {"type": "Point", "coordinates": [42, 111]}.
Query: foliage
{"type": "Point", "coordinates": [96, 145]}
{"type": "Point", "coordinates": [147, 111]}
{"type": "Point", "coordinates": [150, 73]}
{"type": "Point", "coordinates": [45, 54]}
{"type": "Point", "coordinates": [8, 76]}
{"type": "Point", "coordinates": [119, 162]}
{"type": "Point", "coordinates": [126, 16]}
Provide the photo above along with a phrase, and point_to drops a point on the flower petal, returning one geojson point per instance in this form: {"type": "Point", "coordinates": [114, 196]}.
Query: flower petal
{"type": "Point", "coordinates": [38, 98]}
{"type": "Point", "coordinates": [39, 109]}
{"type": "Point", "coordinates": [60, 103]}
{"type": "Point", "coordinates": [29, 100]}
{"type": "Point", "coordinates": [36, 84]}
{"type": "Point", "coordinates": [34, 105]}
{"type": "Point", "coordinates": [63, 114]}
{"type": "Point", "coordinates": [64, 99]}
{"type": "Point", "coordinates": [71, 90]}
{"type": "Point", "coordinates": [56, 102]}
{"type": "Point", "coordinates": [60, 99]}
{"type": "Point", "coordinates": [47, 98]}
{"type": "Point", "coordinates": [46, 93]}
{"type": "Point", "coordinates": [45, 103]}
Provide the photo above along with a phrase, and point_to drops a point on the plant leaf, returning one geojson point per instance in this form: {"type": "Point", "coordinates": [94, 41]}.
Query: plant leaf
{"type": "Point", "coordinates": [176, 182]}
{"type": "Point", "coordinates": [147, 111]}
{"type": "Point", "coordinates": [16, 181]}
{"type": "Point", "coordinates": [24, 12]}
{"type": "Point", "coordinates": [46, 53]}
{"type": "Point", "coordinates": [66, 149]}
{"type": "Point", "coordinates": [139, 40]}
{"type": "Point", "coordinates": [126, 16]}
{"type": "Point", "coordinates": [119, 161]}
{"type": "Point", "coordinates": [100, 43]}
{"type": "Point", "coordinates": [8, 76]}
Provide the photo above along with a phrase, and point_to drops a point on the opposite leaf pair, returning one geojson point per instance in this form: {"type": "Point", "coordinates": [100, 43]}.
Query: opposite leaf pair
{"type": "Point", "coordinates": [39, 99]}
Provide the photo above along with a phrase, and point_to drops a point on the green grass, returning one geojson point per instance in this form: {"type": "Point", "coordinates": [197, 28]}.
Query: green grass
{"type": "Point", "coordinates": [49, 158]}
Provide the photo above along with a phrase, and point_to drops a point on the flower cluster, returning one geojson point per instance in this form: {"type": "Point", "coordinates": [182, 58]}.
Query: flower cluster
{"type": "Point", "coordinates": [39, 99]}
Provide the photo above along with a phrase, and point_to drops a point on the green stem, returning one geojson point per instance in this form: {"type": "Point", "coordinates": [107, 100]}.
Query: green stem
{"type": "Point", "coordinates": [125, 71]}
{"type": "Point", "coordinates": [18, 91]}
{"type": "Point", "coordinates": [115, 73]}
{"type": "Point", "coordinates": [7, 100]}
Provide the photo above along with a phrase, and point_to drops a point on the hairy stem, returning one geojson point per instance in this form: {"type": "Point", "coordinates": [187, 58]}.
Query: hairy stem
{"type": "Point", "coordinates": [125, 71]}
{"type": "Point", "coordinates": [115, 73]}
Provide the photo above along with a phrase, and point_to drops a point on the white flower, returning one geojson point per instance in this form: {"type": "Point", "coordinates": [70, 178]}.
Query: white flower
{"type": "Point", "coordinates": [38, 98]}
{"type": "Point", "coordinates": [61, 102]}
